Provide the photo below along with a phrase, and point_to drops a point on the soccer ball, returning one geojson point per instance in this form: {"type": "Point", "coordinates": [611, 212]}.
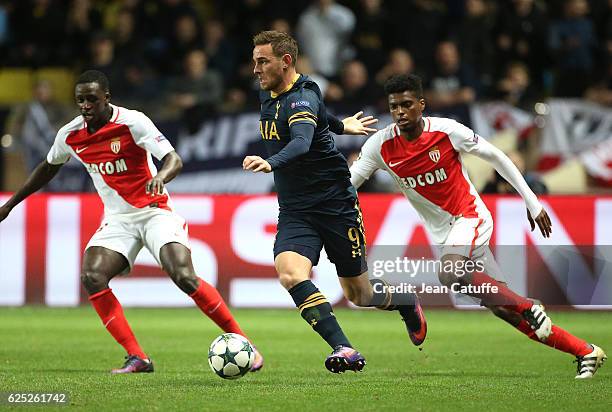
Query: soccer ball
{"type": "Point", "coordinates": [230, 356]}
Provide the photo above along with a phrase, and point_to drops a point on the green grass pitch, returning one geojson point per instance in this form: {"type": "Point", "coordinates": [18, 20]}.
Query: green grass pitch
{"type": "Point", "coordinates": [471, 361]}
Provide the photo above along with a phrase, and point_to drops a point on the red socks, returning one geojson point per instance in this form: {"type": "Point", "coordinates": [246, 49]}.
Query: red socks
{"type": "Point", "coordinates": [504, 296]}
{"type": "Point", "coordinates": [559, 339]}
{"type": "Point", "coordinates": [211, 303]}
{"type": "Point", "coordinates": [111, 313]}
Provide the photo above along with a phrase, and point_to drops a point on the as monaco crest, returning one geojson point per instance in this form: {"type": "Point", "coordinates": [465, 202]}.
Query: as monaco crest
{"type": "Point", "coordinates": [434, 154]}
{"type": "Point", "coordinates": [116, 145]}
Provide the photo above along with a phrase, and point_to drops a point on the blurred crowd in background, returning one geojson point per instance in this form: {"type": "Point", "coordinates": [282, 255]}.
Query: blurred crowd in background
{"type": "Point", "coordinates": [187, 61]}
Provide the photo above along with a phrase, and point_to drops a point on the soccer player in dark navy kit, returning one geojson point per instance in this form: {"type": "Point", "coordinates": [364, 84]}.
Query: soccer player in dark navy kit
{"type": "Point", "coordinates": [318, 205]}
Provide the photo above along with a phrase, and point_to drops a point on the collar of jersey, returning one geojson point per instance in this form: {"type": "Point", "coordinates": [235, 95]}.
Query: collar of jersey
{"type": "Point", "coordinates": [289, 86]}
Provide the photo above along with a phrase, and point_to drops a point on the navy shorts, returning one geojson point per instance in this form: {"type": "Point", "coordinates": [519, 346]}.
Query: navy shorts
{"type": "Point", "coordinates": [342, 235]}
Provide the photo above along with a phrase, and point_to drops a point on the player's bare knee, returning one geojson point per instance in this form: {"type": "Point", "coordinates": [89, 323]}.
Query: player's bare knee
{"type": "Point", "coordinates": [289, 280]}
{"type": "Point", "coordinates": [93, 281]}
{"type": "Point", "coordinates": [184, 278]}
{"type": "Point", "coordinates": [359, 299]}
{"type": "Point", "coordinates": [358, 296]}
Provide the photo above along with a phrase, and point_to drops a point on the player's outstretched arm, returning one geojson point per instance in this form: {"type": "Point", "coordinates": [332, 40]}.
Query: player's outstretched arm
{"type": "Point", "coordinates": [42, 174]}
{"type": "Point", "coordinates": [358, 125]}
{"type": "Point", "coordinates": [301, 139]}
{"type": "Point", "coordinates": [171, 167]}
{"type": "Point", "coordinates": [510, 172]}
{"type": "Point", "coordinates": [354, 125]}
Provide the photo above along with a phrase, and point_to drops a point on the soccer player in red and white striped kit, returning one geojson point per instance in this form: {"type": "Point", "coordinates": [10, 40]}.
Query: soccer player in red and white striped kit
{"type": "Point", "coordinates": [423, 155]}
{"type": "Point", "coordinates": [115, 146]}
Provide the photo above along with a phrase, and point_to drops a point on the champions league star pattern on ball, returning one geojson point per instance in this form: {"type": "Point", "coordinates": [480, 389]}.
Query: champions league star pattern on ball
{"type": "Point", "coordinates": [231, 356]}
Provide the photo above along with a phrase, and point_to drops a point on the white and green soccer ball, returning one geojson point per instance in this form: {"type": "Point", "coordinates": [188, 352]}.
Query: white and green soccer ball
{"type": "Point", "coordinates": [230, 356]}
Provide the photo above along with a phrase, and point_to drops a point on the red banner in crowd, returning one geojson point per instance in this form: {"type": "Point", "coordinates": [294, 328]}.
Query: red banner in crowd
{"type": "Point", "coordinates": [42, 241]}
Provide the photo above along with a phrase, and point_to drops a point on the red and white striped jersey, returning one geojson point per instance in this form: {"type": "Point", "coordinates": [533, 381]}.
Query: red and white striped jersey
{"type": "Point", "coordinates": [117, 157]}
{"type": "Point", "coordinates": [428, 171]}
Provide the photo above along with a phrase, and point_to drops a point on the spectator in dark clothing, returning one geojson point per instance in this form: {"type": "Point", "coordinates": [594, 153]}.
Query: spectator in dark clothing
{"type": "Point", "coordinates": [399, 62]}
{"type": "Point", "coordinates": [149, 23]}
{"type": "Point", "coordinates": [138, 87]}
{"type": "Point", "coordinates": [82, 20]}
{"type": "Point", "coordinates": [219, 49]}
{"type": "Point", "coordinates": [600, 90]}
{"type": "Point", "coordinates": [168, 13]}
{"type": "Point", "coordinates": [602, 20]}
{"type": "Point", "coordinates": [281, 25]}
{"type": "Point", "coordinates": [39, 28]}
{"type": "Point", "coordinates": [522, 35]}
{"type": "Point", "coordinates": [452, 86]}
{"type": "Point", "coordinates": [197, 93]}
{"type": "Point", "coordinates": [127, 40]}
{"type": "Point", "coordinates": [244, 19]}
{"type": "Point", "coordinates": [186, 37]}
{"type": "Point", "coordinates": [418, 25]}
{"type": "Point", "coordinates": [473, 34]}
{"type": "Point", "coordinates": [102, 57]}
{"type": "Point", "coordinates": [371, 34]}
{"type": "Point", "coordinates": [572, 41]}
{"type": "Point", "coordinates": [355, 91]}
{"type": "Point", "coordinates": [515, 87]}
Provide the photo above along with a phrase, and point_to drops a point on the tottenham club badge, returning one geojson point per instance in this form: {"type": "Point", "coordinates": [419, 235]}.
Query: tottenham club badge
{"type": "Point", "coordinates": [434, 154]}
{"type": "Point", "coordinates": [116, 145]}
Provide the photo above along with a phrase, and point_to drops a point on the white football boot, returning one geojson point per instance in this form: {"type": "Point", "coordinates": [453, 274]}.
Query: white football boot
{"type": "Point", "coordinates": [539, 321]}
{"type": "Point", "coordinates": [588, 364]}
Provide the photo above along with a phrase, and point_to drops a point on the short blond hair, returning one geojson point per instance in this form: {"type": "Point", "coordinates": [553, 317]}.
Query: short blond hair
{"type": "Point", "coordinates": [282, 43]}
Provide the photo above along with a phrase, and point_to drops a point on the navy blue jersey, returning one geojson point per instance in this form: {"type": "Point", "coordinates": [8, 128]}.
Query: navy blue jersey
{"type": "Point", "coordinates": [320, 173]}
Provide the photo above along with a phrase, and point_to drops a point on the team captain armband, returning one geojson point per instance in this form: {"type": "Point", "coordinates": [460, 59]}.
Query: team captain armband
{"type": "Point", "coordinates": [302, 117]}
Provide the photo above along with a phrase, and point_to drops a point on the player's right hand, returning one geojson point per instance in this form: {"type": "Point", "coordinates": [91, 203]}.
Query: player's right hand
{"type": "Point", "coordinates": [358, 125]}
{"type": "Point", "coordinates": [543, 221]}
{"type": "Point", "coordinates": [4, 212]}
{"type": "Point", "coordinates": [256, 164]}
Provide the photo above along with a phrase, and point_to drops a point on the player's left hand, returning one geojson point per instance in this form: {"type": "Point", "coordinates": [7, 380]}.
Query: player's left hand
{"type": "Point", "coordinates": [358, 125]}
{"type": "Point", "coordinates": [256, 164]}
{"type": "Point", "coordinates": [543, 222]}
{"type": "Point", "coordinates": [155, 186]}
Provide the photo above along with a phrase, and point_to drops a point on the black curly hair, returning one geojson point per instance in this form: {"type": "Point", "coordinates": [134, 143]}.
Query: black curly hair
{"type": "Point", "coordinates": [400, 83]}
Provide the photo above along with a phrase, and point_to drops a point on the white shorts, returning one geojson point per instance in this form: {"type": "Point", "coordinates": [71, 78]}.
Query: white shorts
{"type": "Point", "coordinates": [128, 233]}
{"type": "Point", "coordinates": [470, 237]}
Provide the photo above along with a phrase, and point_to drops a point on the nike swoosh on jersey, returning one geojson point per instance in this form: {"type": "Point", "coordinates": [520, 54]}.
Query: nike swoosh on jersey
{"type": "Point", "coordinates": [393, 164]}
{"type": "Point", "coordinates": [81, 149]}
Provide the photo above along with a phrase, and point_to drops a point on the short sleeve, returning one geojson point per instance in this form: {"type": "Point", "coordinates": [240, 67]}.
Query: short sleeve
{"type": "Point", "coordinates": [463, 138]}
{"type": "Point", "coordinates": [303, 107]}
{"type": "Point", "coordinates": [59, 153]}
{"type": "Point", "coordinates": [369, 158]}
{"type": "Point", "coordinates": [147, 136]}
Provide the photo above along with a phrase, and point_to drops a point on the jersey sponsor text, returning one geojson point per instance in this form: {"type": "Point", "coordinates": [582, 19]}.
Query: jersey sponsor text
{"type": "Point", "coordinates": [425, 179]}
{"type": "Point", "coordinates": [107, 168]}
